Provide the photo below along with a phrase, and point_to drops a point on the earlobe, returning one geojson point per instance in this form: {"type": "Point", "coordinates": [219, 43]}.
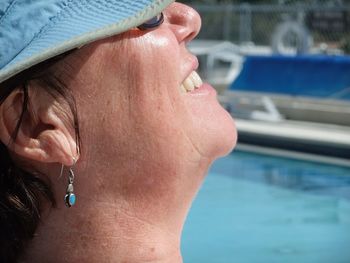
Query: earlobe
{"type": "Point", "coordinates": [42, 135]}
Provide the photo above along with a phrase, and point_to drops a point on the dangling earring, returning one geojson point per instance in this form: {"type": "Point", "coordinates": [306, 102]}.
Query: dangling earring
{"type": "Point", "coordinates": [70, 198]}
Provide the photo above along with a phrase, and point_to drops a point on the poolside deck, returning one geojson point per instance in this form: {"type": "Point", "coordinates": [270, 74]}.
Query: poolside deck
{"type": "Point", "coordinates": [310, 126]}
{"type": "Point", "coordinates": [324, 140]}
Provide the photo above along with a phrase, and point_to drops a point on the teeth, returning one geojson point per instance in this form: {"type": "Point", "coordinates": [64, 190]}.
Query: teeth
{"type": "Point", "coordinates": [196, 79]}
{"type": "Point", "coordinates": [182, 89]}
{"type": "Point", "coordinates": [193, 81]}
{"type": "Point", "coordinates": [188, 84]}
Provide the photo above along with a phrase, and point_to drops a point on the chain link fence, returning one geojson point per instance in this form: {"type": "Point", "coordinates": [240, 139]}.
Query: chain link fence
{"type": "Point", "coordinates": [294, 28]}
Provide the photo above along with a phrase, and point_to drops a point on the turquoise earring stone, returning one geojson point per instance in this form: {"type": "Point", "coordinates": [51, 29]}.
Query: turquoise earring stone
{"type": "Point", "coordinates": [70, 199]}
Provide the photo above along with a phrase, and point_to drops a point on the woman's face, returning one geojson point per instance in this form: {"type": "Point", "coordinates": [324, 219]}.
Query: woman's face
{"type": "Point", "coordinates": [133, 107]}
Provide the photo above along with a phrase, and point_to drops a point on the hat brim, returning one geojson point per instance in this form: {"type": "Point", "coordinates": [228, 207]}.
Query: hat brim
{"type": "Point", "coordinates": [73, 31]}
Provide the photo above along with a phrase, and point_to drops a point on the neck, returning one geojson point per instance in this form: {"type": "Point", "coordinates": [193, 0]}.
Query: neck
{"type": "Point", "coordinates": [135, 217]}
{"type": "Point", "coordinates": [102, 232]}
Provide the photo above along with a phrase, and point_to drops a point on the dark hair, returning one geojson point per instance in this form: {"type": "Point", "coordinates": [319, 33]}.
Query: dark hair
{"type": "Point", "coordinates": [22, 193]}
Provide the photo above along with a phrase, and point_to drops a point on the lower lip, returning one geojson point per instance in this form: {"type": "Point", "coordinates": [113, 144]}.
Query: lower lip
{"type": "Point", "coordinates": [203, 90]}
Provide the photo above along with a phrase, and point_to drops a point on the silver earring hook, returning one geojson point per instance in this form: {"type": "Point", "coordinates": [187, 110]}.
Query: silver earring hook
{"type": "Point", "coordinates": [71, 176]}
{"type": "Point", "coordinates": [62, 167]}
{"type": "Point", "coordinates": [61, 173]}
{"type": "Point", "coordinates": [74, 162]}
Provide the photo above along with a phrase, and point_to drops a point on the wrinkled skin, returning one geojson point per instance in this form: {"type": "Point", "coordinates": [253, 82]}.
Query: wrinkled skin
{"type": "Point", "coordinates": [146, 147]}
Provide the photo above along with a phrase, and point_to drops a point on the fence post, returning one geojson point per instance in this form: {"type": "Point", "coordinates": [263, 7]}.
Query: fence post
{"type": "Point", "coordinates": [227, 22]}
{"type": "Point", "coordinates": [245, 23]}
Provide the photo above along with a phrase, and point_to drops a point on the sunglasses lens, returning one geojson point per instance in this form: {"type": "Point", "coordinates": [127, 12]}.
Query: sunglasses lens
{"type": "Point", "coordinates": [153, 22]}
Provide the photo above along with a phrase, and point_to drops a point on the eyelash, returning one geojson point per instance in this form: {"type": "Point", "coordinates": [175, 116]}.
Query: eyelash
{"type": "Point", "coordinates": [152, 23]}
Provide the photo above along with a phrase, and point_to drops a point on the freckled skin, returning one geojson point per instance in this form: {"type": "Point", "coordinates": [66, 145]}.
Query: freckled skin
{"type": "Point", "coordinates": [146, 148]}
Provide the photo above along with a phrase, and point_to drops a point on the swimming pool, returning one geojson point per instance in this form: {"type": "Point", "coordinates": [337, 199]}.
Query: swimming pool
{"type": "Point", "coordinates": [260, 209]}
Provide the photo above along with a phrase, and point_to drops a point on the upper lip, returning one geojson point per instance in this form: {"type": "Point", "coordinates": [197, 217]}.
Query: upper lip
{"type": "Point", "coordinates": [191, 65]}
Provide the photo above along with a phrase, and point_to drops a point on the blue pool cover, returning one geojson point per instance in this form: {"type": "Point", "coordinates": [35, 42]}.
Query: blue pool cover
{"type": "Point", "coordinates": [310, 75]}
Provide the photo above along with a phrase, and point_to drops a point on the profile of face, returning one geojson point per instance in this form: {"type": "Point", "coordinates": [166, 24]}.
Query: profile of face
{"type": "Point", "coordinates": [135, 113]}
{"type": "Point", "coordinates": [149, 130]}
{"type": "Point", "coordinates": [134, 83]}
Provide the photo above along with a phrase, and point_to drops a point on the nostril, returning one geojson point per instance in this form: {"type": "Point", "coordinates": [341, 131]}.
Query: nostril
{"type": "Point", "coordinates": [184, 21]}
{"type": "Point", "coordinates": [191, 36]}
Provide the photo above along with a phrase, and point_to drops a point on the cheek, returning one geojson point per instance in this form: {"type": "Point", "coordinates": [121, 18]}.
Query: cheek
{"type": "Point", "coordinates": [130, 110]}
{"type": "Point", "coordinates": [153, 60]}
{"type": "Point", "coordinates": [152, 89]}
{"type": "Point", "coordinates": [155, 77]}
{"type": "Point", "coordinates": [183, 122]}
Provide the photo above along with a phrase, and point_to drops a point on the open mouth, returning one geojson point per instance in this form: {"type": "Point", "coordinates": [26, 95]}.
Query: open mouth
{"type": "Point", "coordinates": [192, 82]}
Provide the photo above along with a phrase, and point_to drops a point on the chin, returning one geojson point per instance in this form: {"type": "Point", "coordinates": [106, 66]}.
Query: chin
{"type": "Point", "coordinates": [212, 129]}
{"type": "Point", "coordinates": [217, 134]}
{"type": "Point", "coordinates": [225, 136]}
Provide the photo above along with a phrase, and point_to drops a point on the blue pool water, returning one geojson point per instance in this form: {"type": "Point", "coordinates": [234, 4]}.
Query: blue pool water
{"type": "Point", "coordinates": [260, 209]}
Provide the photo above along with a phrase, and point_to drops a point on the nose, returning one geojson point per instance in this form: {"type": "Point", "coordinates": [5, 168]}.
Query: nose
{"type": "Point", "coordinates": [183, 20]}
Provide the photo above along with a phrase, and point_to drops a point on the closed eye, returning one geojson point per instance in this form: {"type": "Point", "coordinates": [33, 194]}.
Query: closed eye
{"type": "Point", "coordinates": [152, 23]}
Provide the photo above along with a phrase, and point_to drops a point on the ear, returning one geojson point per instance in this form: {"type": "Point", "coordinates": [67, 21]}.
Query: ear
{"type": "Point", "coordinates": [44, 134]}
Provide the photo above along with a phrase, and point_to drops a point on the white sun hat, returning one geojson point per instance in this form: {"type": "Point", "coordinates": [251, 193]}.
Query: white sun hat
{"type": "Point", "coordinates": [32, 31]}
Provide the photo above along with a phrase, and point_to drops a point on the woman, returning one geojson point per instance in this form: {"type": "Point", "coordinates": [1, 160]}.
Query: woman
{"type": "Point", "coordinates": [121, 116]}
